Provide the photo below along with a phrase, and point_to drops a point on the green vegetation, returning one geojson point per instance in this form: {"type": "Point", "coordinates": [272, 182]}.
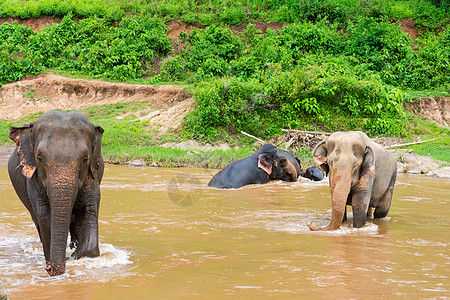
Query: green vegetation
{"type": "Point", "coordinates": [437, 149]}
{"type": "Point", "coordinates": [126, 139]}
{"type": "Point", "coordinates": [335, 65]}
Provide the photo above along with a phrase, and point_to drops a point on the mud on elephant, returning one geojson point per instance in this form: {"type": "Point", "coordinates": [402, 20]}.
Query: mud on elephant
{"type": "Point", "coordinates": [56, 170]}
{"type": "Point", "coordinates": [362, 174]}
{"type": "Point", "coordinates": [267, 164]}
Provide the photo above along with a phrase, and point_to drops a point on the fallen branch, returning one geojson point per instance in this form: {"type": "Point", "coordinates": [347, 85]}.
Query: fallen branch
{"type": "Point", "coordinates": [413, 143]}
{"type": "Point", "coordinates": [253, 137]}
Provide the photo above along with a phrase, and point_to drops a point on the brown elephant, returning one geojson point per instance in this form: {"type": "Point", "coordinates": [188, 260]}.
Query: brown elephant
{"type": "Point", "coordinates": [362, 174]}
{"type": "Point", "coordinates": [56, 170]}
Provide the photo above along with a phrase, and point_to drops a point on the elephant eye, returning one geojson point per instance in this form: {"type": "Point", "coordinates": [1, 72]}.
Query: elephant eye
{"type": "Point", "coordinates": [85, 159]}
{"type": "Point", "coordinates": [39, 158]}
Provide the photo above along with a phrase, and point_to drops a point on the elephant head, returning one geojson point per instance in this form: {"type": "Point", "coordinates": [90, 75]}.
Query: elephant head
{"type": "Point", "coordinates": [278, 164]}
{"type": "Point", "coordinates": [346, 157]}
{"type": "Point", "coordinates": [59, 155]}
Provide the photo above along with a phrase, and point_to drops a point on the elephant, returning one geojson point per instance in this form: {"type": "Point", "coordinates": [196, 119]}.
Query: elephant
{"type": "Point", "coordinates": [268, 163]}
{"type": "Point", "coordinates": [313, 173]}
{"type": "Point", "coordinates": [362, 174]}
{"type": "Point", "coordinates": [3, 294]}
{"type": "Point", "coordinates": [56, 170]}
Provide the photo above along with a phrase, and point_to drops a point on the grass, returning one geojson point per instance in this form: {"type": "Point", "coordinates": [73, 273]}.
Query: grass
{"type": "Point", "coordinates": [126, 139]}
{"type": "Point", "coordinates": [438, 149]}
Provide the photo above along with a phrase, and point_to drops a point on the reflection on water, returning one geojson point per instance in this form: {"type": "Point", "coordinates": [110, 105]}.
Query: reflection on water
{"type": "Point", "coordinates": [165, 234]}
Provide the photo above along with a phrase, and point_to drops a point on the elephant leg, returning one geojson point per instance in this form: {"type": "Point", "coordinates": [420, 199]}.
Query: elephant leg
{"type": "Point", "coordinates": [43, 226]}
{"type": "Point", "coordinates": [360, 200]}
{"type": "Point", "coordinates": [349, 202]}
{"type": "Point", "coordinates": [345, 215]}
{"type": "Point", "coordinates": [369, 212]}
{"type": "Point", "coordinates": [86, 221]}
{"type": "Point", "coordinates": [73, 233]}
{"type": "Point", "coordinates": [41, 215]}
{"type": "Point", "coordinates": [86, 230]}
{"type": "Point", "coordinates": [384, 204]}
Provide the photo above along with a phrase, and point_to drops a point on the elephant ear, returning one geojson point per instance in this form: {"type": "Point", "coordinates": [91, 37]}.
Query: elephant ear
{"type": "Point", "coordinates": [265, 163]}
{"type": "Point", "coordinates": [23, 138]}
{"type": "Point", "coordinates": [96, 151]}
{"type": "Point", "coordinates": [320, 156]}
{"type": "Point", "coordinates": [368, 165]}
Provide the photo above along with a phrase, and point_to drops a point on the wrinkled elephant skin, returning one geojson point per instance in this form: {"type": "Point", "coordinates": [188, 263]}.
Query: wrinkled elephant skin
{"type": "Point", "coordinates": [56, 170]}
{"type": "Point", "coordinates": [313, 173]}
{"type": "Point", "coordinates": [362, 174]}
{"type": "Point", "coordinates": [267, 164]}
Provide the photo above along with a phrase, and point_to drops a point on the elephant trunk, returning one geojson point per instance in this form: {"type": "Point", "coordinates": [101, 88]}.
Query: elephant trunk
{"type": "Point", "coordinates": [61, 197]}
{"type": "Point", "coordinates": [340, 189]}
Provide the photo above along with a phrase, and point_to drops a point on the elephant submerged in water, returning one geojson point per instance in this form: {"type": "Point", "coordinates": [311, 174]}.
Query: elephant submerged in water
{"type": "Point", "coordinates": [313, 173]}
{"type": "Point", "coordinates": [362, 174]}
{"type": "Point", "coordinates": [267, 164]}
{"type": "Point", "coordinates": [56, 170]}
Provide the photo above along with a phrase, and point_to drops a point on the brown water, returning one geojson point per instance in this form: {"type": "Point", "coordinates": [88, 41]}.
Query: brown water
{"type": "Point", "coordinates": [246, 243]}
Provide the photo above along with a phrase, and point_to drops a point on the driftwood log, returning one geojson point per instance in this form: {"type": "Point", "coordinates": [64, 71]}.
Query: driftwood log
{"type": "Point", "coordinates": [298, 139]}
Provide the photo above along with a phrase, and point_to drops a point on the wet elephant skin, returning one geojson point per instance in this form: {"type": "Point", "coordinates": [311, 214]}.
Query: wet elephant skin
{"type": "Point", "coordinates": [267, 164]}
{"type": "Point", "coordinates": [362, 174]}
{"type": "Point", "coordinates": [56, 170]}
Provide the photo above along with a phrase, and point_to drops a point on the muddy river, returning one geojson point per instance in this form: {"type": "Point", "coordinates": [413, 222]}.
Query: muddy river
{"type": "Point", "coordinates": [164, 234]}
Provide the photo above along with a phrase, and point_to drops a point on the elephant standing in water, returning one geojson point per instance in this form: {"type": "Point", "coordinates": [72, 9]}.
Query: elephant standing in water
{"type": "Point", "coordinates": [362, 174]}
{"type": "Point", "coordinates": [56, 170]}
{"type": "Point", "coordinates": [268, 163]}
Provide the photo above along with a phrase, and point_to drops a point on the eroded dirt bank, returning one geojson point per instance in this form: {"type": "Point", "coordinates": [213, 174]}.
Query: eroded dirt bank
{"type": "Point", "coordinates": [434, 109]}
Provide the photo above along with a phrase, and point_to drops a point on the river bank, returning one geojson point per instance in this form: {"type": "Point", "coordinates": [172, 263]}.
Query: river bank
{"type": "Point", "coordinates": [199, 156]}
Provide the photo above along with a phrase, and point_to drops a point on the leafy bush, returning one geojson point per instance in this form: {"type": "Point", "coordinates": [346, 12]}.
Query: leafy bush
{"type": "Point", "coordinates": [228, 104]}
{"type": "Point", "coordinates": [172, 69]}
{"type": "Point", "coordinates": [15, 59]}
{"type": "Point", "coordinates": [291, 99]}
{"type": "Point", "coordinates": [212, 49]}
{"type": "Point", "coordinates": [378, 44]}
{"type": "Point", "coordinates": [427, 68]}
{"type": "Point", "coordinates": [91, 46]}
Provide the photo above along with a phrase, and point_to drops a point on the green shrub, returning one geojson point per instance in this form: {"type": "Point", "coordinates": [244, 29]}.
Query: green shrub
{"type": "Point", "coordinates": [226, 105]}
{"type": "Point", "coordinates": [212, 49]}
{"type": "Point", "coordinates": [91, 46]}
{"type": "Point", "coordinates": [233, 15]}
{"type": "Point", "coordinates": [173, 69]}
{"type": "Point", "coordinates": [379, 44]}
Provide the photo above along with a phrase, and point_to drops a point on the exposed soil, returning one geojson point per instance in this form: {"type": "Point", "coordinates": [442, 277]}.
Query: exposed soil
{"type": "Point", "coordinates": [261, 26]}
{"type": "Point", "coordinates": [409, 27]}
{"type": "Point", "coordinates": [49, 91]}
{"type": "Point", "coordinates": [177, 26]}
{"type": "Point", "coordinates": [35, 23]}
{"type": "Point", "coordinates": [436, 110]}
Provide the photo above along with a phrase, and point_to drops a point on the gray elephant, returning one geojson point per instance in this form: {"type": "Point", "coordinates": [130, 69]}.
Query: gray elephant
{"type": "Point", "coordinates": [267, 164]}
{"type": "Point", "coordinates": [56, 170]}
{"type": "Point", "coordinates": [313, 173]}
{"type": "Point", "coordinates": [3, 294]}
{"type": "Point", "coordinates": [362, 174]}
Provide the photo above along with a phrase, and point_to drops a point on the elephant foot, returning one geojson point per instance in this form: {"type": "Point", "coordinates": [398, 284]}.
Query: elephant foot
{"type": "Point", "coordinates": [78, 253]}
{"type": "Point", "coordinates": [54, 270]}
